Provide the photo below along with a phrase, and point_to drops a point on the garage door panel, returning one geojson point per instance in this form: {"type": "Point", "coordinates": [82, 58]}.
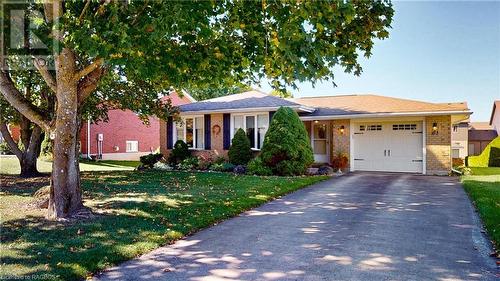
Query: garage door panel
{"type": "Point", "coordinates": [393, 147]}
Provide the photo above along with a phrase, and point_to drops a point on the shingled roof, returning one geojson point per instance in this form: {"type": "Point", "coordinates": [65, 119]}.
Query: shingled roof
{"type": "Point", "coordinates": [246, 100]}
{"type": "Point", "coordinates": [372, 104]}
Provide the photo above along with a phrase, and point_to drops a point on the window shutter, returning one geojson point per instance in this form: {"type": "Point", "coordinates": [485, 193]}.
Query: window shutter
{"type": "Point", "coordinates": [170, 135]}
{"type": "Point", "coordinates": [208, 127]}
{"type": "Point", "coordinates": [271, 113]}
{"type": "Point", "coordinates": [226, 124]}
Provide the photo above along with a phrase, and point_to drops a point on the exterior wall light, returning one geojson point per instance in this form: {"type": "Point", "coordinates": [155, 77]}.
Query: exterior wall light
{"type": "Point", "coordinates": [434, 128]}
{"type": "Point", "coordinates": [342, 129]}
{"type": "Point", "coordinates": [316, 121]}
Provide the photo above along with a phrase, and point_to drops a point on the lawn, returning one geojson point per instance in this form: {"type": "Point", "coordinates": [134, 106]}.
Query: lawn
{"type": "Point", "coordinates": [10, 165]}
{"type": "Point", "coordinates": [137, 212]}
{"type": "Point", "coordinates": [483, 187]}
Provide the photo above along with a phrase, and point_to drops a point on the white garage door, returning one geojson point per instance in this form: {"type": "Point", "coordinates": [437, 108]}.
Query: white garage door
{"type": "Point", "coordinates": [390, 147]}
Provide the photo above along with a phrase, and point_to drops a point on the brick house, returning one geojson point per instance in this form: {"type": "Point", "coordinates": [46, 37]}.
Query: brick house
{"type": "Point", "coordinates": [124, 136]}
{"type": "Point", "coordinates": [377, 133]}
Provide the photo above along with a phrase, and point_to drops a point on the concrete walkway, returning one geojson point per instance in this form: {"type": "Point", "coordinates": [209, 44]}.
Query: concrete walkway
{"type": "Point", "coordinates": [363, 226]}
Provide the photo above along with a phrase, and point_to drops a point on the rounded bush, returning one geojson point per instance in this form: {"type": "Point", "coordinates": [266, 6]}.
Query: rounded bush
{"type": "Point", "coordinates": [257, 167]}
{"type": "Point", "coordinates": [149, 160]}
{"type": "Point", "coordinates": [240, 151]}
{"type": "Point", "coordinates": [287, 148]}
{"type": "Point", "coordinates": [179, 152]}
{"type": "Point", "coordinates": [240, 170]}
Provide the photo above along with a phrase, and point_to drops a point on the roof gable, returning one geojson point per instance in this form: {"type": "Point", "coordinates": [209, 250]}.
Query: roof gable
{"type": "Point", "coordinates": [245, 100]}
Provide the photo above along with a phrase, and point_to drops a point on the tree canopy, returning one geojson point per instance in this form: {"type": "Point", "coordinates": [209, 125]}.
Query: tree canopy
{"type": "Point", "coordinates": [128, 54]}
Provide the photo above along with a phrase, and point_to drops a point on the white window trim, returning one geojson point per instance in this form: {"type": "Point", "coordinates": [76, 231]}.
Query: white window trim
{"type": "Point", "coordinates": [183, 118]}
{"type": "Point", "coordinates": [244, 115]}
{"type": "Point", "coordinates": [136, 146]}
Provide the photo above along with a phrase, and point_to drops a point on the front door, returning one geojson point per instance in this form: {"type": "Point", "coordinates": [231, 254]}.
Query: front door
{"type": "Point", "coordinates": [320, 141]}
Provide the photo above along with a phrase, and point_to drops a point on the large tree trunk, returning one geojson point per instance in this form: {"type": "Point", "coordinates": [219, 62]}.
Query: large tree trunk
{"type": "Point", "coordinates": [65, 193]}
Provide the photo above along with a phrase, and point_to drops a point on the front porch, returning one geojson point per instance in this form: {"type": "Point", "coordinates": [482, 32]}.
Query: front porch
{"type": "Point", "coordinates": [329, 138]}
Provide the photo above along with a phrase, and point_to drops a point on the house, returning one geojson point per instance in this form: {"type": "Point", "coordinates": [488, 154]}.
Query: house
{"type": "Point", "coordinates": [124, 136]}
{"type": "Point", "coordinates": [377, 133]}
{"type": "Point", "coordinates": [480, 135]}
{"type": "Point", "coordinates": [495, 117]}
{"type": "Point", "coordinates": [460, 140]}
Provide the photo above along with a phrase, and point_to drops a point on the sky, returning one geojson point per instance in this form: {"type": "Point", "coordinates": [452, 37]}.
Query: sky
{"type": "Point", "coordinates": [437, 51]}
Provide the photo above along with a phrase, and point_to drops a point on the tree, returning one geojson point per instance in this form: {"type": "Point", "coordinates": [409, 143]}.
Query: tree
{"type": "Point", "coordinates": [215, 92]}
{"type": "Point", "coordinates": [281, 93]}
{"type": "Point", "coordinates": [155, 45]}
{"type": "Point", "coordinates": [287, 148]}
{"type": "Point", "coordinates": [240, 151]}
{"type": "Point", "coordinates": [33, 89]}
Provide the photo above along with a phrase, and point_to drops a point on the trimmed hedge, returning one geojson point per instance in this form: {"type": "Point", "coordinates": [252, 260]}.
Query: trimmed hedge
{"type": "Point", "coordinates": [490, 157]}
{"type": "Point", "coordinates": [287, 148]}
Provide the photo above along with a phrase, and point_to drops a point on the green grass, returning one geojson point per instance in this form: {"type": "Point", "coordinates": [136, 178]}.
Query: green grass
{"type": "Point", "coordinates": [10, 165]}
{"type": "Point", "coordinates": [483, 188]}
{"type": "Point", "coordinates": [138, 211]}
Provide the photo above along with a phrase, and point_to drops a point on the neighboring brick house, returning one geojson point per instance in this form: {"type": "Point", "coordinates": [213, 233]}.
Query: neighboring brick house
{"type": "Point", "coordinates": [377, 133]}
{"type": "Point", "coordinates": [124, 136]}
{"type": "Point", "coordinates": [480, 135]}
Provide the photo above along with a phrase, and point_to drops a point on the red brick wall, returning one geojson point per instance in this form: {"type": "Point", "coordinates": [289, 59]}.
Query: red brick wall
{"type": "Point", "coordinates": [122, 126]}
{"type": "Point", "coordinates": [125, 126]}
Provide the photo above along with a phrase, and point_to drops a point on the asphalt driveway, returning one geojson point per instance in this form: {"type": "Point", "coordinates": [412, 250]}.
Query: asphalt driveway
{"type": "Point", "coordinates": [362, 226]}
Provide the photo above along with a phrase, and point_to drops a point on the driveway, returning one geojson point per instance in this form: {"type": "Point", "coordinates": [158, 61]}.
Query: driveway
{"type": "Point", "coordinates": [362, 226]}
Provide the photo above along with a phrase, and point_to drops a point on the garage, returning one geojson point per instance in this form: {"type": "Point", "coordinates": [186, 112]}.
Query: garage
{"type": "Point", "coordinates": [388, 146]}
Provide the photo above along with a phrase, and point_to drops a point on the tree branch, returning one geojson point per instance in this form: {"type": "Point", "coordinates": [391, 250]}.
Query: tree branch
{"type": "Point", "coordinates": [10, 141]}
{"type": "Point", "coordinates": [36, 134]}
{"type": "Point", "coordinates": [20, 103]}
{"type": "Point", "coordinates": [47, 77]}
{"type": "Point", "coordinates": [89, 68]}
{"type": "Point", "coordinates": [80, 18]}
{"type": "Point", "coordinates": [88, 84]}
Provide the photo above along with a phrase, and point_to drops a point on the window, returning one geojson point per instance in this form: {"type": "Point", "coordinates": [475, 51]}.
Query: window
{"type": "Point", "coordinates": [374, 128]}
{"type": "Point", "coordinates": [404, 127]}
{"type": "Point", "coordinates": [362, 127]}
{"type": "Point", "coordinates": [254, 125]}
{"type": "Point", "coordinates": [192, 131]}
{"type": "Point", "coordinates": [132, 146]}
{"type": "Point", "coordinates": [455, 153]}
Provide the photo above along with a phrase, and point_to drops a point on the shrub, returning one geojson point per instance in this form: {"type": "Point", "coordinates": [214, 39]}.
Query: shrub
{"type": "Point", "coordinates": [149, 160]}
{"type": "Point", "coordinates": [257, 167]}
{"type": "Point", "coordinates": [240, 170]}
{"type": "Point", "coordinates": [494, 160]}
{"type": "Point", "coordinates": [204, 164]}
{"type": "Point", "coordinates": [483, 159]}
{"type": "Point", "coordinates": [457, 162]}
{"type": "Point", "coordinates": [340, 161]}
{"type": "Point", "coordinates": [188, 164]}
{"type": "Point", "coordinates": [179, 152]}
{"type": "Point", "coordinates": [287, 149]}
{"type": "Point", "coordinates": [220, 160]}
{"type": "Point", "coordinates": [217, 167]}
{"type": "Point", "coordinates": [227, 167]}
{"type": "Point", "coordinates": [240, 151]}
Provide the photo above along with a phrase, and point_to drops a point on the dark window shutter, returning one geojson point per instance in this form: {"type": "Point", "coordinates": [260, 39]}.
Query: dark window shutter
{"type": "Point", "coordinates": [208, 126]}
{"type": "Point", "coordinates": [226, 124]}
{"type": "Point", "coordinates": [271, 113]}
{"type": "Point", "coordinates": [170, 135]}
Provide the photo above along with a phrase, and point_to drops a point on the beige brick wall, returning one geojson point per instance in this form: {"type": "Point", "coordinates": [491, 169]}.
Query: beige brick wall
{"type": "Point", "coordinates": [340, 142]}
{"type": "Point", "coordinates": [438, 145]}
